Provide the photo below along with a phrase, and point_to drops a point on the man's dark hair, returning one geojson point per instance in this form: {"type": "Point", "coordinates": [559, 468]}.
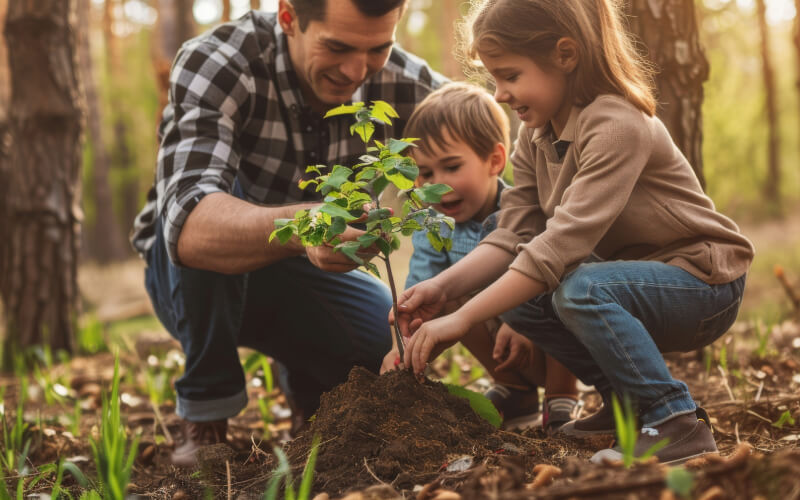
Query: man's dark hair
{"type": "Point", "coordinates": [314, 10]}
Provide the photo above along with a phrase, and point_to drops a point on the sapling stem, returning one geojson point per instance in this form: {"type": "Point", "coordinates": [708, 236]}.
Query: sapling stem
{"type": "Point", "coordinates": [397, 337]}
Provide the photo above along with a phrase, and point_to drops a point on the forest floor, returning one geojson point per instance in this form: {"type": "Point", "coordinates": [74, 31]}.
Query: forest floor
{"type": "Point", "coordinates": [375, 444]}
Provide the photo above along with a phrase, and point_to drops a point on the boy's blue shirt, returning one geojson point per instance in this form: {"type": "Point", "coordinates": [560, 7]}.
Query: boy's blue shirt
{"type": "Point", "coordinates": [426, 262]}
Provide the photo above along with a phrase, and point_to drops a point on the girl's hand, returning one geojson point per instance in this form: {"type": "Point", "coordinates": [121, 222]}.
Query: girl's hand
{"type": "Point", "coordinates": [420, 303]}
{"type": "Point", "coordinates": [512, 350]}
{"type": "Point", "coordinates": [391, 362]}
{"type": "Point", "coordinates": [432, 338]}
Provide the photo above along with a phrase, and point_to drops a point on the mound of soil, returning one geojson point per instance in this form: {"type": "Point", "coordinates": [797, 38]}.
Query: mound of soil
{"type": "Point", "coordinates": [391, 428]}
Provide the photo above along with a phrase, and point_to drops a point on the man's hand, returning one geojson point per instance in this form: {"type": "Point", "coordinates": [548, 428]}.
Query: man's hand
{"type": "Point", "coordinates": [421, 302]}
{"type": "Point", "coordinates": [432, 338]}
{"type": "Point", "coordinates": [325, 258]}
{"type": "Point", "coordinates": [512, 350]}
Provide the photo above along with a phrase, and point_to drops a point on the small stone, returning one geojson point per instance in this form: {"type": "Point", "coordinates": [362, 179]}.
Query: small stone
{"type": "Point", "coordinates": [180, 495]}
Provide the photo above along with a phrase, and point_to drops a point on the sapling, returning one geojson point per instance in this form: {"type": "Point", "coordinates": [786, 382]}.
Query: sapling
{"type": "Point", "coordinates": [349, 191]}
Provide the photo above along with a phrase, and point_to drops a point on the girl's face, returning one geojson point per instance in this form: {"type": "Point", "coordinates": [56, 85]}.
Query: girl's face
{"type": "Point", "coordinates": [537, 94]}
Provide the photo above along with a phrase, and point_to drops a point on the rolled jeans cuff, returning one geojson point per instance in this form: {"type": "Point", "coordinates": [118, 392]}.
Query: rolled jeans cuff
{"type": "Point", "coordinates": [666, 409]}
{"type": "Point", "coordinates": [211, 409]}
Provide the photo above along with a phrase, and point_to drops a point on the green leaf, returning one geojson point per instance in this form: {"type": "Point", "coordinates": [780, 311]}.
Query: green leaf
{"type": "Point", "coordinates": [367, 239]}
{"type": "Point", "coordinates": [401, 181]}
{"type": "Point", "coordinates": [350, 248]}
{"type": "Point", "coordinates": [363, 129]}
{"type": "Point", "coordinates": [398, 146]}
{"type": "Point", "coordinates": [384, 246]}
{"type": "Point", "coordinates": [680, 480]}
{"type": "Point", "coordinates": [408, 168]}
{"type": "Point", "coordinates": [367, 173]}
{"type": "Point", "coordinates": [383, 111]}
{"type": "Point", "coordinates": [315, 169]}
{"type": "Point", "coordinates": [339, 176]}
{"type": "Point", "coordinates": [432, 193]}
{"type": "Point", "coordinates": [368, 159]}
{"type": "Point", "coordinates": [378, 214]}
{"type": "Point", "coordinates": [373, 269]}
{"type": "Point", "coordinates": [436, 241]}
{"type": "Point", "coordinates": [378, 185]}
{"type": "Point", "coordinates": [785, 418]}
{"type": "Point", "coordinates": [345, 109]}
{"type": "Point", "coordinates": [480, 404]}
{"type": "Point", "coordinates": [337, 227]}
{"type": "Point", "coordinates": [336, 211]}
{"type": "Point", "coordinates": [284, 234]}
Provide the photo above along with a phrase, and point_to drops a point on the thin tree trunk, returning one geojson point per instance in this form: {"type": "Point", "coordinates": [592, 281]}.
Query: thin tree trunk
{"type": "Point", "coordinates": [226, 11]}
{"type": "Point", "coordinates": [772, 190]}
{"type": "Point", "coordinates": [105, 242]}
{"type": "Point", "coordinates": [255, 4]}
{"type": "Point", "coordinates": [668, 29]}
{"type": "Point", "coordinates": [40, 168]}
{"type": "Point", "coordinates": [450, 13]}
{"type": "Point", "coordinates": [796, 39]}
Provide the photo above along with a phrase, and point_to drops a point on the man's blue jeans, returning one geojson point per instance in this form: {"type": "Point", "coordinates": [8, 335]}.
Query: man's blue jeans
{"type": "Point", "coordinates": [609, 322]}
{"type": "Point", "coordinates": [317, 324]}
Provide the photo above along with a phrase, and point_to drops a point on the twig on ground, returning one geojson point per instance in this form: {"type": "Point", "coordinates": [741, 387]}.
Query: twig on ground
{"type": "Point", "coordinates": [366, 466]}
{"type": "Point", "coordinates": [725, 382]}
{"type": "Point", "coordinates": [788, 288]}
{"type": "Point", "coordinates": [765, 419]}
{"type": "Point", "coordinates": [228, 470]}
{"type": "Point", "coordinates": [160, 420]}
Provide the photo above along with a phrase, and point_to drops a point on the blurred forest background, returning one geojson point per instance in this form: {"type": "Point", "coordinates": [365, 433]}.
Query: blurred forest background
{"type": "Point", "coordinates": [741, 61]}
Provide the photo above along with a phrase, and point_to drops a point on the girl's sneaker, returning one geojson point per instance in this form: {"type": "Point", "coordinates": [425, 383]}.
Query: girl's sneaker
{"type": "Point", "coordinates": [518, 407]}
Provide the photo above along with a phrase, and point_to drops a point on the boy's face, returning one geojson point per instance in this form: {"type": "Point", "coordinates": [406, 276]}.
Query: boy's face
{"type": "Point", "coordinates": [473, 179]}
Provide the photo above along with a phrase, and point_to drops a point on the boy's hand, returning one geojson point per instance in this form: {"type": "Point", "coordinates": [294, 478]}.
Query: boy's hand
{"type": "Point", "coordinates": [511, 349]}
{"type": "Point", "coordinates": [391, 362]}
{"type": "Point", "coordinates": [432, 338]}
{"type": "Point", "coordinates": [418, 304]}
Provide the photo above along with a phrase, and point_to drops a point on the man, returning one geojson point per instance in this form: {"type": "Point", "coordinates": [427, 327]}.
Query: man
{"type": "Point", "coordinates": [244, 119]}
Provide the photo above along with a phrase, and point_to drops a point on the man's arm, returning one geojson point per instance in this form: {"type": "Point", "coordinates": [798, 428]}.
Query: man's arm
{"type": "Point", "coordinates": [228, 235]}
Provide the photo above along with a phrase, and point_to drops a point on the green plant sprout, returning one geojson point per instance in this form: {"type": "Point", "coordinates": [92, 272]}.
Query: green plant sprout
{"type": "Point", "coordinates": [112, 460]}
{"type": "Point", "coordinates": [15, 444]}
{"type": "Point", "coordinates": [283, 473]}
{"type": "Point", "coordinates": [349, 191]}
{"type": "Point", "coordinates": [680, 481]}
{"type": "Point", "coordinates": [785, 418]}
{"type": "Point", "coordinates": [627, 433]}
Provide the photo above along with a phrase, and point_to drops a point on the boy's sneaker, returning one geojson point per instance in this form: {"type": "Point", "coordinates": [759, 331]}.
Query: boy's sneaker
{"type": "Point", "coordinates": [556, 412]}
{"type": "Point", "coordinates": [689, 435]}
{"type": "Point", "coordinates": [601, 422]}
{"type": "Point", "coordinates": [518, 407]}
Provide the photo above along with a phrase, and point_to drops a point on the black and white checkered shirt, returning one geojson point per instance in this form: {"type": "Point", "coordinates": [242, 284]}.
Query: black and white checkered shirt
{"type": "Point", "coordinates": [235, 111]}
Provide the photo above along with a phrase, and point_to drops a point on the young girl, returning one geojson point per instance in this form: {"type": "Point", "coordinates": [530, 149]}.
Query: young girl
{"type": "Point", "coordinates": [607, 252]}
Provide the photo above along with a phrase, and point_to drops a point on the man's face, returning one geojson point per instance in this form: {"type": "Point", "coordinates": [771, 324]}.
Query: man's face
{"type": "Point", "coordinates": [333, 57]}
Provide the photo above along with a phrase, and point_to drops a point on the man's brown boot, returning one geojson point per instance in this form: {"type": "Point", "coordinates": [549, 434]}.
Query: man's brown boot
{"type": "Point", "coordinates": [601, 422]}
{"type": "Point", "coordinates": [195, 436]}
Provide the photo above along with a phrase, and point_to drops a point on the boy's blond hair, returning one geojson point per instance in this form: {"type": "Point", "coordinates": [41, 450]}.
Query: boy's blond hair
{"type": "Point", "coordinates": [465, 113]}
{"type": "Point", "coordinates": [608, 60]}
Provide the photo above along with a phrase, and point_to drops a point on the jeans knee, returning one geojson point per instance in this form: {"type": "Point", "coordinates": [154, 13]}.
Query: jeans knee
{"type": "Point", "coordinates": [574, 293]}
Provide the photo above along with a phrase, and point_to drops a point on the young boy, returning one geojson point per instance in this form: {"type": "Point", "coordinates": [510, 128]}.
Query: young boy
{"type": "Point", "coordinates": [464, 141]}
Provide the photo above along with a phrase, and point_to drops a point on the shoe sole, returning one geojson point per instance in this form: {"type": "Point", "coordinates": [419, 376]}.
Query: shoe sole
{"type": "Point", "coordinates": [522, 423]}
{"type": "Point", "coordinates": [579, 433]}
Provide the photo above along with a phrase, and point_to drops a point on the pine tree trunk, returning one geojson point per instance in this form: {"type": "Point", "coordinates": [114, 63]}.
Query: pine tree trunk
{"type": "Point", "coordinates": [772, 190]}
{"type": "Point", "coordinates": [105, 240]}
{"type": "Point", "coordinates": [40, 173]}
{"type": "Point", "coordinates": [668, 29]}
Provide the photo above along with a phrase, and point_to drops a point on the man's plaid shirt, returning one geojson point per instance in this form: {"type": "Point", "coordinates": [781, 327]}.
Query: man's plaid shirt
{"type": "Point", "coordinates": [235, 112]}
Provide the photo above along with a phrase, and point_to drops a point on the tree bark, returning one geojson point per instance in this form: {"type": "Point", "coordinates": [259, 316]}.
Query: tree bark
{"type": "Point", "coordinates": [256, 4]}
{"type": "Point", "coordinates": [772, 190]}
{"type": "Point", "coordinates": [796, 39]}
{"type": "Point", "coordinates": [105, 241]}
{"type": "Point", "coordinates": [40, 164]}
{"type": "Point", "coordinates": [174, 26]}
{"type": "Point", "coordinates": [669, 32]}
{"type": "Point", "coordinates": [226, 11]}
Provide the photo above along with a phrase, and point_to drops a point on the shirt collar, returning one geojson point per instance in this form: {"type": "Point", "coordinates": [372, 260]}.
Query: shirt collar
{"type": "Point", "coordinates": [568, 134]}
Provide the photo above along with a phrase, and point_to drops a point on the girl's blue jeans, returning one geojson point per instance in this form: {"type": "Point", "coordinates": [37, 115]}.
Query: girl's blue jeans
{"type": "Point", "coordinates": [317, 324]}
{"type": "Point", "coordinates": [609, 322]}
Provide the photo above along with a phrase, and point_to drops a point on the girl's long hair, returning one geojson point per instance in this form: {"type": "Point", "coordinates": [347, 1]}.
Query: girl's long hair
{"type": "Point", "coordinates": [607, 58]}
